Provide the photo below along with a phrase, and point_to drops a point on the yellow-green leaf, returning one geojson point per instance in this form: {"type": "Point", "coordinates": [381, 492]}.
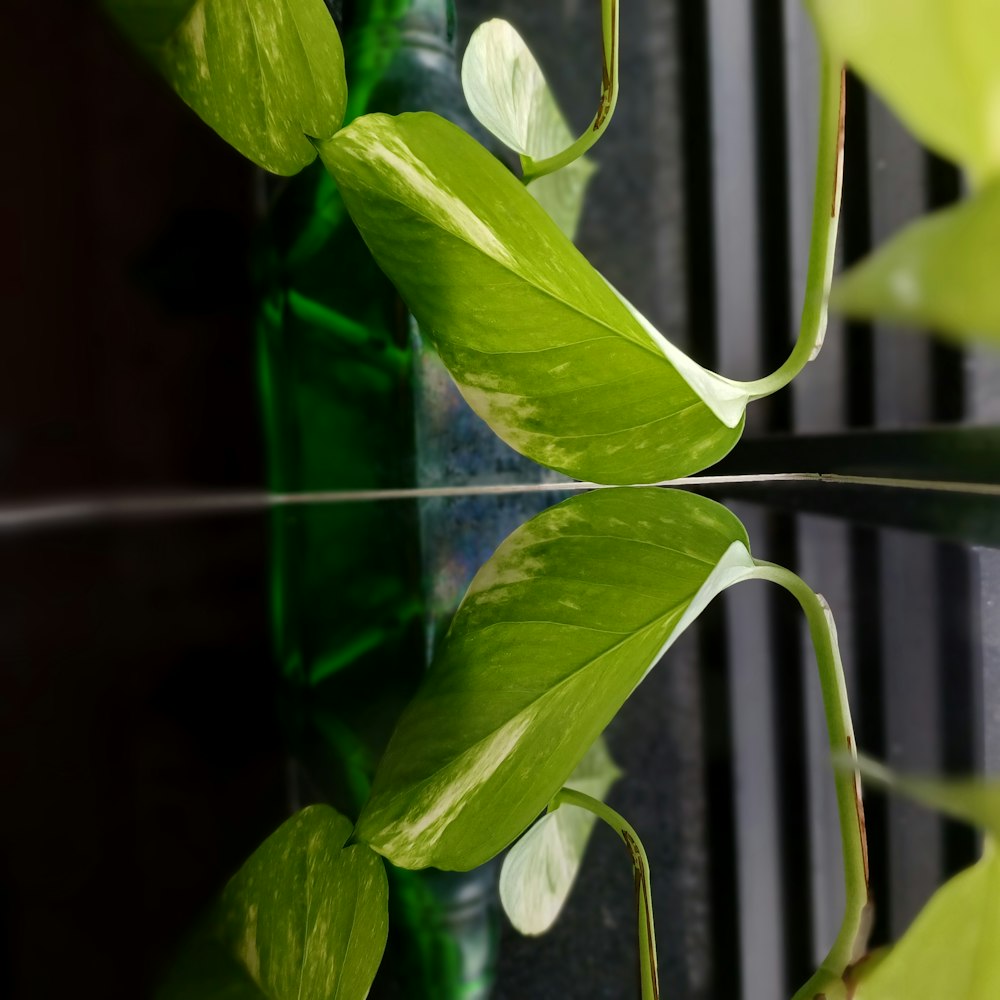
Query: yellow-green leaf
{"type": "Point", "coordinates": [952, 949]}
{"type": "Point", "coordinates": [933, 61]}
{"type": "Point", "coordinates": [940, 272]}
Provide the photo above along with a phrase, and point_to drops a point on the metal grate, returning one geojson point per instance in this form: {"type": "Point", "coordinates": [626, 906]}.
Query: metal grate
{"type": "Point", "coordinates": [904, 602]}
{"type": "Point", "coordinates": [701, 214]}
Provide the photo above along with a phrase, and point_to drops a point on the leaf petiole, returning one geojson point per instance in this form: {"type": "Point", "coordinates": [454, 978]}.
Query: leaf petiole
{"type": "Point", "coordinates": [823, 238]}
{"type": "Point", "coordinates": [851, 939]}
{"type": "Point", "coordinates": [534, 169]}
{"type": "Point", "coordinates": [640, 865]}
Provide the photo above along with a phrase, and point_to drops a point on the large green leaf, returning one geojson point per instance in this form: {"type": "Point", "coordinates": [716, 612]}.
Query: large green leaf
{"type": "Point", "coordinates": [540, 346]}
{"type": "Point", "coordinates": [540, 869]}
{"type": "Point", "coordinates": [555, 632]}
{"type": "Point", "coordinates": [507, 91]}
{"type": "Point", "coordinates": [934, 61]}
{"type": "Point", "coordinates": [940, 272]}
{"type": "Point", "coordinates": [304, 917]}
{"type": "Point", "coordinates": [952, 949]}
{"type": "Point", "coordinates": [265, 74]}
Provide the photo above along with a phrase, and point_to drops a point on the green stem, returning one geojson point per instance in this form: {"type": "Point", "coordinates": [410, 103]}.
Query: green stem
{"type": "Point", "coordinates": [640, 865]}
{"type": "Point", "coordinates": [823, 239]}
{"type": "Point", "coordinates": [851, 938]}
{"type": "Point", "coordinates": [609, 99]}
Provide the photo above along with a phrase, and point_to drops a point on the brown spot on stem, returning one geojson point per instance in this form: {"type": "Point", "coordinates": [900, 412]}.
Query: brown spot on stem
{"type": "Point", "coordinates": [841, 127]}
{"type": "Point", "coordinates": [643, 908]}
{"type": "Point", "coordinates": [851, 977]}
{"type": "Point", "coordinates": [650, 944]}
{"type": "Point", "coordinates": [607, 70]}
{"type": "Point", "coordinates": [859, 809]}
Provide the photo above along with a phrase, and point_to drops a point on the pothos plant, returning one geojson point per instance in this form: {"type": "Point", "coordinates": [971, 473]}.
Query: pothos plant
{"type": "Point", "coordinates": [560, 626]}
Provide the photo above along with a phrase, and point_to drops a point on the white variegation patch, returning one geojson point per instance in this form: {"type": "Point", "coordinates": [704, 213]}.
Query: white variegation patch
{"type": "Point", "coordinates": [444, 795]}
{"type": "Point", "coordinates": [451, 212]}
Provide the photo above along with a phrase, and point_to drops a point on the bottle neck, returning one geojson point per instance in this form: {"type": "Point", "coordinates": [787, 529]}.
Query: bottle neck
{"type": "Point", "coordinates": [421, 23]}
{"type": "Point", "coordinates": [398, 53]}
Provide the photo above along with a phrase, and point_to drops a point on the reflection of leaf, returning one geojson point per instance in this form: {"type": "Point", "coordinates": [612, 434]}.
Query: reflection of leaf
{"type": "Point", "coordinates": [950, 951]}
{"type": "Point", "coordinates": [940, 272]}
{"type": "Point", "coordinates": [934, 61]}
{"type": "Point", "coordinates": [555, 632]}
{"type": "Point", "coordinates": [265, 76]}
{"type": "Point", "coordinates": [539, 345]}
{"type": "Point", "coordinates": [540, 869]}
{"type": "Point", "coordinates": [508, 93]}
{"type": "Point", "coordinates": [304, 917]}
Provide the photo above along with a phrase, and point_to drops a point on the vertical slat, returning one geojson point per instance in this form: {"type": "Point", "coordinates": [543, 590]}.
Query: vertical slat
{"type": "Point", "coordinates": [755, 772]}
{"type": "Point", "coordinates": [988, 693]}
{"type": "Point", "coordinates": [904, 394]}
{"type": "Point", "coordinates": [658, 43]}
{"type": "Point", "coordinates": [983, 408]}
{"type": "Point", "coordinates": [982, 368]}
{"type": "Point", "coordinates": [898, 195]}
{"type": "Point", "coordinates": [734, 189]}
{"type": "Point", "coordinates": [818, 393]}
{"type": "Point", "coordinates": [738, 312]}
{"type": "Point", "coordinates": [910, 629]}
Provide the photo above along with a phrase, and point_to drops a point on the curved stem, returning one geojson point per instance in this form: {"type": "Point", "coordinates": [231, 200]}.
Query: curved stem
{"type": "Point", "coordinates": [609, 99]}
{"type": "Point", "coordinates": [823, 239]}
{"type": "Point", "coordinates": [640, 865]}
{"type": "Point", "coordinates": [851, 939]}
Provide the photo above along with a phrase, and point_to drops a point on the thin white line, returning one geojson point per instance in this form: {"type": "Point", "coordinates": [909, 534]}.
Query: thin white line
{"type": "Point", "coordinates": [54, 513]}
{"type": "Point", "coordinates": [931, 485]}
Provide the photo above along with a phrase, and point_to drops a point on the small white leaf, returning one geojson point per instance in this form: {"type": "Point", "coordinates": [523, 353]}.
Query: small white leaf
{"type": "Point", "coordinates": [507, 91]}
{"type": "Point", "coordinates": [540, 869]}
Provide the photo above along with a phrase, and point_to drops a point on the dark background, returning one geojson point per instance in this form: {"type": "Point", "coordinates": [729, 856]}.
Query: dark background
{"type": "Point", "coordinates": [139, 761]}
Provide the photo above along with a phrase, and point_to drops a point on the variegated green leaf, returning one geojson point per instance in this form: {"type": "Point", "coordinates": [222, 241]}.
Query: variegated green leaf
{"type": "Point", "coordinates": [304, 917]}
{"type": "Point", "coordinates": [555, 632]}
{"type": "Point", "coordinates": [265, 74]}
{"type": "Point", "coordinates": [540, 869]}
{"type": "Point", "coordinates": [540, 346]}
